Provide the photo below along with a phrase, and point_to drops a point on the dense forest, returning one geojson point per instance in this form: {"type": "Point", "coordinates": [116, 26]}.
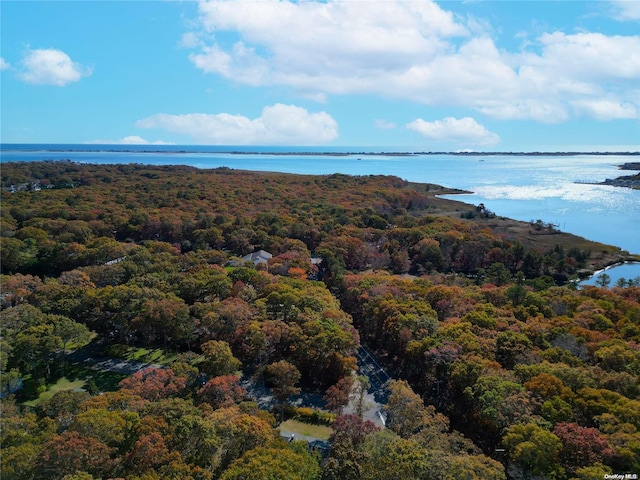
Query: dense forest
{"type": "Point", "coordinates": [501, 367]}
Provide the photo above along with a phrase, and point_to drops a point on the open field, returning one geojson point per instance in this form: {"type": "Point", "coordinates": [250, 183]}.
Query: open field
{"type": "Point", "coordinates": [62, 384]}
{"type": "Point", "coordinates": [300, 428]}
{"type": "Point", "coordinates": [141, 354]}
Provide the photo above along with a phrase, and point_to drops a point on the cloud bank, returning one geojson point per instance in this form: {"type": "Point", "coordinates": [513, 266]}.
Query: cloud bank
{"type": "Point", "coordinates": [130, 140]}
{"type": "Point", "coordinates": [51, 67]}
{"type": "Point", "coordinates": [420, 52]}
{"type": "Point", "coordinates": [4, 65]}
{"type": "Point", "coordinates": [465, 131]}
{"type": "Point", "coordinates": [277, 125]}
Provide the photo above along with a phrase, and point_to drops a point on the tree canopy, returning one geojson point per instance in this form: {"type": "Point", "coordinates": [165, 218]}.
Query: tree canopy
{"type": "Point", "coordinates": [501, 369]}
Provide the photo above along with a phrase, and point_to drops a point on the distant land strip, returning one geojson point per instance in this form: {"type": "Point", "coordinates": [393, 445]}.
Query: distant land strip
{"type": "Point", "coordinates": [338, 154]}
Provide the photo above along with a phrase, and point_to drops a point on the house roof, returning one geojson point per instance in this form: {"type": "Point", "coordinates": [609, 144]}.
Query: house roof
{"type": "Point", "coordinates": [261, 256]}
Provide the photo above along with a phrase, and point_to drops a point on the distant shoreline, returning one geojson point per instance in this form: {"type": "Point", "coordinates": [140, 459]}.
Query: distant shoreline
{"type": "Point", "coordinates": [266, 151]}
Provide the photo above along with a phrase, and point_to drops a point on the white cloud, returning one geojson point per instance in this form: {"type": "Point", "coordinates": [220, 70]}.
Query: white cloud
{"type": "Point", "coordinates": [241, 64]}
{"type": "Point", "coordinates": [278, 124]}
{"type": "Point", "coordinates": [51, 67]}
{"type": "Point", "coordinates": [190, 40]}
{"type": "Point", "coordinates": [384, 124]}
{"type": "Point", "coordinates": [626, 10]}
{"type": "Point", "coordinates": [415, 51]}
{"type": "Point", "coordinates": [130, 140]}
{"type": "Point", "coordinates": [605, 109]}
{"type": "Point", "coordinates": [4, 65]}
{"type": "Point", "coordinates": [464, 131]}
{"type": "Point", "coordinates": [593, 56]}
{"type": "Point", "coordinates": [331, 37]}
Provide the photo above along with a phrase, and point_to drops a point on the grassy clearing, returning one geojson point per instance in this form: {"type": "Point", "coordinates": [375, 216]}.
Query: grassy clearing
{"type": "Point", "coordinates": [75, 377]}
{"type": "Point", "coordinates": [105, 381]}
{"type": "Point", "coordinates": [300, 428]}
{"type": "Point", "coordinates": [62, 384]}
{"type": "Point", "coordinates": [141, 354]}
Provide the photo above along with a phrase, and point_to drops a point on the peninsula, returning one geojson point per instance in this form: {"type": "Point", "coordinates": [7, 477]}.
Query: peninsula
{"type": "Point", "coordinates": [629, 181]}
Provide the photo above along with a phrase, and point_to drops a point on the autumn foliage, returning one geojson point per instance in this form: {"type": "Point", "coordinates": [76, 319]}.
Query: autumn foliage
{"type": "Point", "coordinates": [501, 371]}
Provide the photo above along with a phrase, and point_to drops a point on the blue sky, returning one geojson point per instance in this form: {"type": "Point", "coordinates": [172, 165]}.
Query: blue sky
{"type": "Point", "coordinates": [452, 75]}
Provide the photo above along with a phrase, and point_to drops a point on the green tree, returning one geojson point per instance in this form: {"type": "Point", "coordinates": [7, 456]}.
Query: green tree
{"type": "Point", "coordinates": [344, 462]}
{"type": "Point", "coordinates": [556, 410]}
{"type": "Point", "coordinates": [389, 457]}
{"type": "Point", "coordinates": [407, 414]}
{"type": "Point", "coordinates": [16, 255]}
{"type": "Point", "coordinates": [498, 274]}
{"type": "Point", "coordinates": [499, 401]}
{"type": "Point", "coordinates": [204, 284]}
{"type": "Point", "coordinates": [533, 450]}
{"type": "Point", "coordinates": [109, 427]}
{"type": "Point", "coordinates": [472, 467]}
{"type": "Point", "coordinates": [165, 319]}
{"type": "Point", "coordinates": [592, 472]}
{"type": "Point", "coordinates": [17, 462]}
{"type": "Point", "coordinates": [268, 463]}
{"type": "Point", "coordinates": [78, 476]}
{"type": "Point", "coordinates": [218, 359]}
{"type": "Point", "coordinates": [22, 428]}
{"type": "Point", "coordinates": [603, 280]}
{"type": "Point", "coordinates": [193, 436]}
{"type": "Point", "coordinates": [69, 332]}
{"type": "Point", "coordinates": [34, 347]}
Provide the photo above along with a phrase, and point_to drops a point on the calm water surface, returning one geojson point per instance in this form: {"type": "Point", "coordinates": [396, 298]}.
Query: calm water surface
{"type": "Point", "coordinates": [627, 271]}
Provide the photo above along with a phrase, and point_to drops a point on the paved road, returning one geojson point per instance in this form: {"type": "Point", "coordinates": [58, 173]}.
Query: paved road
{"type": "Point", "coordinates": [378, 378]}
{"type": "Point", "coordinates": [377, 395]}
{"type": "Point", "coordinates": [263, 396]}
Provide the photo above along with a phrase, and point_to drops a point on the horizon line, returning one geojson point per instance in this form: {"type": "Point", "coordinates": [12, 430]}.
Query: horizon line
{"type": "Point", "coordinates": [298, 150]}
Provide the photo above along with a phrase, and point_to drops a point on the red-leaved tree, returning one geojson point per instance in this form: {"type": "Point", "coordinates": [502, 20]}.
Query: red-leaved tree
{"type": "Point", "coordinates": [223, 391]}
{"type": "Point", "coordinates": [581, 446]}
{"type": "Point", "coordinates": [155, 383]}
{"type": "Point", "coordinates": [71, 452]}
